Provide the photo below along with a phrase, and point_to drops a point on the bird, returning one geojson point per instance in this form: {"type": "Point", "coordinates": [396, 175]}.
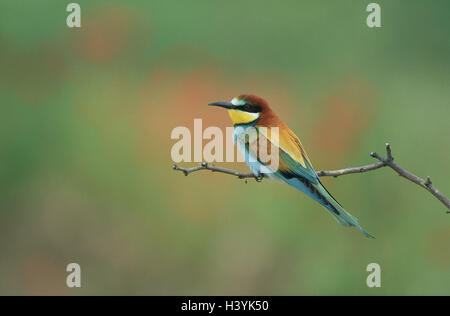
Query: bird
{"type": "Point", "coordinates": [251, 112]}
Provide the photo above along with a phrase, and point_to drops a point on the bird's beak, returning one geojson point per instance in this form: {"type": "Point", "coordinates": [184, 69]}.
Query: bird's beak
{"type": "Point", "coordinates": [226, 105]}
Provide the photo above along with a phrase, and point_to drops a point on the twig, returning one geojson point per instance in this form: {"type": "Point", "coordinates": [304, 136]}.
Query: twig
{"type": "Point", "coordinates": [205, 166]}
{"type": "Point", "coordinates": [383, 162]}
{"type": "Point", "coordinates": [341, 172]}
{"type": "Point", "coordinates": [427, 185]}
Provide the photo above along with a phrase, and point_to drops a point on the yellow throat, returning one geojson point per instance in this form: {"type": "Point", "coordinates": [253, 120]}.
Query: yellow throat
{"type": "Point", "coordinates": [240, 117]}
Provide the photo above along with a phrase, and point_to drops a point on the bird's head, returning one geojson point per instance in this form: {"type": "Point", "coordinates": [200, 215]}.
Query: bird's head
{"type": "Point", "coordinates": [244, 109]}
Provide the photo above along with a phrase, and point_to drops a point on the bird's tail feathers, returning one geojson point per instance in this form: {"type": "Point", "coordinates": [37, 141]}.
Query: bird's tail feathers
{"type": "Point", "coordinates": [339, 213]}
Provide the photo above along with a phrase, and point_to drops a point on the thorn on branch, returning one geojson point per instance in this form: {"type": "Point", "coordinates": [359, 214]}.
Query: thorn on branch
{"type": "Point", "coordinates": [375, 155]}
{"type": "Point", "coordinates": [428, 183]}
{"type": "Point", "coordinates": [389, 152]}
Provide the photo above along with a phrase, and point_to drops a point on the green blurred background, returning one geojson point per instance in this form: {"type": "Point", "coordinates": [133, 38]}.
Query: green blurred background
{"type": "Point", "coordinates": [85, 165]}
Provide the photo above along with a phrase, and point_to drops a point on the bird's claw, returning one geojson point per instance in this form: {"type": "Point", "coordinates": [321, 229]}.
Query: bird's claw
{"type": "Point", "coordinates": [259, 177]}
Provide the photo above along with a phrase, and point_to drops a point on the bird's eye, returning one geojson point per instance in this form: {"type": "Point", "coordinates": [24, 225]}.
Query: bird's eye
{"type": "Point", "coordinates": [247, 107]}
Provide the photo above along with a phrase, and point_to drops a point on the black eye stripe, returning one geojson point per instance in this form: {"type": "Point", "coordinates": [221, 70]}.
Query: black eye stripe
{"type": "Point", "coordinates": [247, 107]}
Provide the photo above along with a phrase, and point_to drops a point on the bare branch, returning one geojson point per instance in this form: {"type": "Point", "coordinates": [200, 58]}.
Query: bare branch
{"type": "Point", "coordinates": [205, 166]}
{"type": "Point", "coordinates": [427, 185]}
{"type": "Point", "coordinates": [383, 162]}
{"type": "Point", "coordinates": [341, 172]}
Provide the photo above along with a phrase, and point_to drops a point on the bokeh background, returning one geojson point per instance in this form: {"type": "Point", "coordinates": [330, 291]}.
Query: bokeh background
{"type": "Point", "coordinates": [85, 165]}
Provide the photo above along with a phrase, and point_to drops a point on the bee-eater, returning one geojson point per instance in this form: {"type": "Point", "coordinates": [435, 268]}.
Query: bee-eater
{"type": "Point", "coordinates": [294, 166]}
